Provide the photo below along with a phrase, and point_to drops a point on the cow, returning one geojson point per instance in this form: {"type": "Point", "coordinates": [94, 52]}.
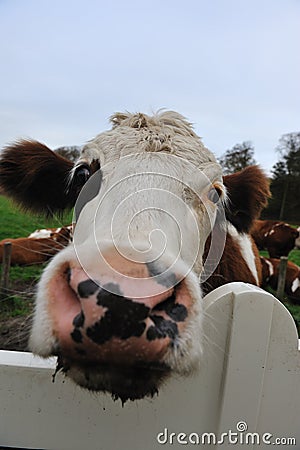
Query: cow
{"type": "Point", "coordinates": [270, 273]}
{"type": "Point", "coordinates": [121, 307]}
{"type": "Point", "coordinates": [49, 232]}
{"type": "Point", "coordinates": [277, 237]}
{"type": "Point", "coordinates": [31, 250]}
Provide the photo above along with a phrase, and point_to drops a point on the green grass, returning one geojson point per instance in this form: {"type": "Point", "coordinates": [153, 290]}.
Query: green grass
{"type": "Point", "coordinates": [16, 305]}
{"type": "Point", "coordinates": [29, 273]}
{"type": "Point", "coordinates": [295, 311]}
{"type": "Point", "coordinates": [18, 300]}
{"type": "Point", "coordinates": [294, 256]}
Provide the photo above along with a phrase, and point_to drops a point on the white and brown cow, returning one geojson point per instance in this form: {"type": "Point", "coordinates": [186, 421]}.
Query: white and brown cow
{"type": "Point", "coordinates": [279, 238]}
{"type": "Point", "coordinates": [37, 250]}
{"type": "Point", "coordinates": [51, 232]}
{"type": "Point", "coordinates": [270, 272]}
{"type": "Point", "coordinates": [121, 306]}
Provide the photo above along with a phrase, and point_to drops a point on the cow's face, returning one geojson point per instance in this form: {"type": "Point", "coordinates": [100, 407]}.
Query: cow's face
{"type": "Point", "coordinates": [280, 240]}
{"type": "Point", "coordinates": [121, 306]}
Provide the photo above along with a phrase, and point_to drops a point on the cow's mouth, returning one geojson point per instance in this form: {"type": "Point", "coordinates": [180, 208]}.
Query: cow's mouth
{"type": "Point", "coordinates": [122, 360]}
{"type": "Point", "coordinates": [123, 382]}
{"type": "Point", "coordinates": [111, 343]}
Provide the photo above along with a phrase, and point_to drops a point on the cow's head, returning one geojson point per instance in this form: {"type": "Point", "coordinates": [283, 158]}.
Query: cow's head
{"type": "Point", "coordinates": [280, 240]}
{"type": "Point", "coordinates": [121, 306]}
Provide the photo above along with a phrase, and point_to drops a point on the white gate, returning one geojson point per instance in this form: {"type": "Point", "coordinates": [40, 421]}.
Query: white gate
{"type": "Point", "coordinates": [246, 395]}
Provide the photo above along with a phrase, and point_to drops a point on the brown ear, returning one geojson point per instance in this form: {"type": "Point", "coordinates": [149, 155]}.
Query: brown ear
{"type": "Point", "coordinates": [248, 193]}
{"type": "Point", "coordinates": [36, 177]}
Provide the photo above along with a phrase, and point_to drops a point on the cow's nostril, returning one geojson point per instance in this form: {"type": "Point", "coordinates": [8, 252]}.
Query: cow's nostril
{"type": "Point", "coordinates": [67, 274]}
{"type": "Point", "coordinates": [79, 320]}
{"type": "Point", "coordinates": [172, 307]}
{"type": "Point", "coordinates": [162, 328]}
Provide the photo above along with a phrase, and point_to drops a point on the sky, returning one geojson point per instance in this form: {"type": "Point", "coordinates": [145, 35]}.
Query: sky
{"type": "Point", "coordinates": [231, 67]}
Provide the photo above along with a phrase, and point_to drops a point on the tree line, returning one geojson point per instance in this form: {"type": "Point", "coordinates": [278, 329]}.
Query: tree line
{"type": "Point", "coordinates": [285, 175]}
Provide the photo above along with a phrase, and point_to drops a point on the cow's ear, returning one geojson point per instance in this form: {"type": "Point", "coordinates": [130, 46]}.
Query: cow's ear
{"type": "Point", "coordinates": [37, 178]}
{"type": "Point", "coordinates": [248, 192]}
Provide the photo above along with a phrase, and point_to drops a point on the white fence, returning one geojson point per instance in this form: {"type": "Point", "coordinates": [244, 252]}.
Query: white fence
{"type": "Point", "coordinates": [248, 387]}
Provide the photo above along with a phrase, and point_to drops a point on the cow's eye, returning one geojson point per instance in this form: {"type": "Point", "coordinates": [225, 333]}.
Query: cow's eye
{"type": "Point", "coordinates": [214, 194]}
{"type": "Point", "coordinates": [82, 174]}
{"type": "Point", "coordinates": [89, 190]}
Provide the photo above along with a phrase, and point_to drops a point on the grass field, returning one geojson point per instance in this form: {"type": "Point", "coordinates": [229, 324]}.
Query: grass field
{"type": "Point", "coordinates": [14, 223]}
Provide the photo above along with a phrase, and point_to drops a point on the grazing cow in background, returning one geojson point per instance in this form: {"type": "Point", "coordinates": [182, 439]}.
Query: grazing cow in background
{"type": "Point", "coordinates": [130, 303]}
{"type": "Point", "coordinates": [278, 238]}
{"type": "Point", "coordinates": [49, 232]}
{"type": "Point", "coordinates": [26, 251]}
{"type": "Point", "coordinates": [270, 271]}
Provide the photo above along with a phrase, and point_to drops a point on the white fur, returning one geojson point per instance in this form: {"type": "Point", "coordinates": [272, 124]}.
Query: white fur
{"type": "Point", "coordinates": [272, 231]}
{"type": "Point", "coordinates": [245, 244]}
{"type": "Point", "coordinates": [295, 284]}
{"type": "Point", "coordinates": [270, 267]}
{"type": "Point", "coordinates": [40, 234]}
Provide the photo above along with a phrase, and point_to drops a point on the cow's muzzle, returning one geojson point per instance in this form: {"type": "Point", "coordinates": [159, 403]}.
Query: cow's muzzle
{"type": "Point", "coordinates": [114, 328]}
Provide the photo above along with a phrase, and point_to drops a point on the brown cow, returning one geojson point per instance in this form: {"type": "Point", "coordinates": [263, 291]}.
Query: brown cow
{"type": "Point", "coordinates": [277, 237]}
{"type": "Point", "coordinates": [121, 306]}
{"type": "Point", "coordinates": [270, 272]}
{"type": "Point", "coordinates": [26, 251]}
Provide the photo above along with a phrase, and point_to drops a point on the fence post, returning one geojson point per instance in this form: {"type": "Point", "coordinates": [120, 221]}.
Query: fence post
{"type": "Point", "coordinates": [5, 269]}
{"type": "Point", "coordinates": [281, 277]}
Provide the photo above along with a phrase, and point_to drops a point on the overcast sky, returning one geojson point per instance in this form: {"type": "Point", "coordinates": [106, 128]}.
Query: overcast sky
{"type": "Point", "coordinates": [232, 67]}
